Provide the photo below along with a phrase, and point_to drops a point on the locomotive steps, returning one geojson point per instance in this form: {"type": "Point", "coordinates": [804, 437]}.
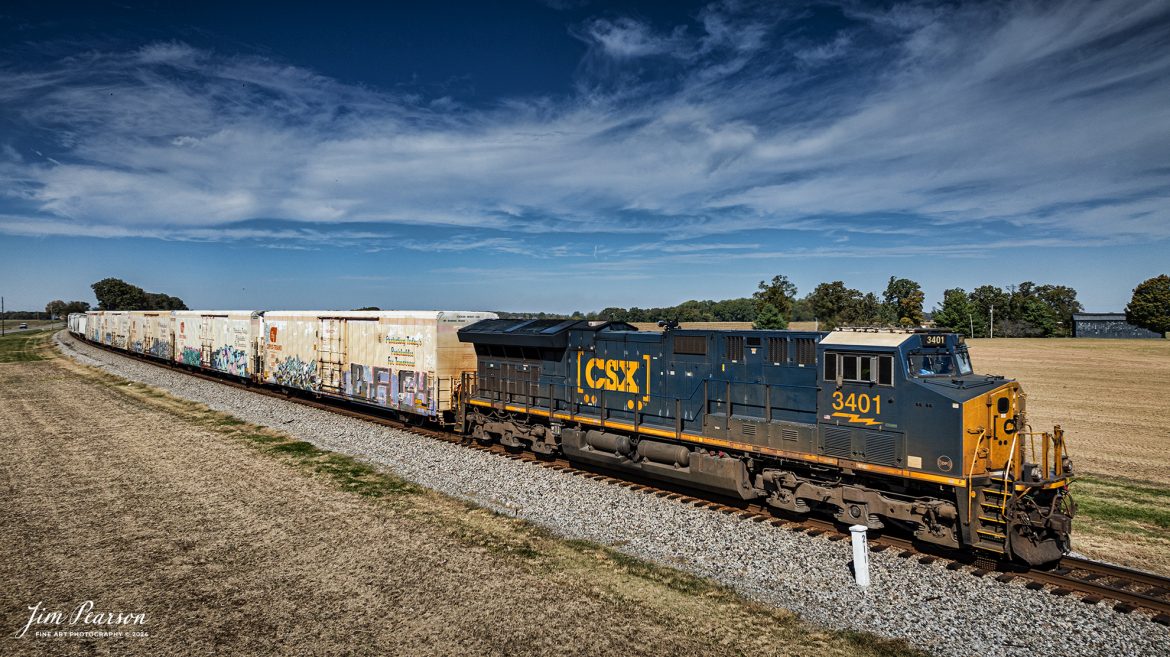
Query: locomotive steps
{"type": "Point", "coordinates": [946, 611]}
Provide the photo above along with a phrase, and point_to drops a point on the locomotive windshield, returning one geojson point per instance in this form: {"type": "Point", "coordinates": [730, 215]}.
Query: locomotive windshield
{"type": "Point", "coordinates": [940, 362]}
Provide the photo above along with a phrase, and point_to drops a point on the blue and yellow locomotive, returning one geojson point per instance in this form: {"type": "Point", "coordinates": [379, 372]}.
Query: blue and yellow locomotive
{"type": "Point", "coordinates": [875, 427]}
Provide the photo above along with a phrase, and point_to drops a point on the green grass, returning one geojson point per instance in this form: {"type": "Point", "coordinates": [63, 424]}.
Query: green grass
{"type": "Point", "coordinates": [1122, 505]}
{"type": "Point", "coordinates": [346, 472]}
{"type": "Point", "coordinates": [671, 578]}
{"type": "Point", "coordinates": [23, 347]}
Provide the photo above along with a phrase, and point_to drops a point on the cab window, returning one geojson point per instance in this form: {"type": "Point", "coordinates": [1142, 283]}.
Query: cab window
{"type": "Point", "coordinates": [860, 368]}
{"type": "Point", "coordinates": [939, 363]}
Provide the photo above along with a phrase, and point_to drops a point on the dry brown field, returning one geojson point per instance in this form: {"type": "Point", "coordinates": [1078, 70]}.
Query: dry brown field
{"type": "Point", "coordinates": [1112, 397]}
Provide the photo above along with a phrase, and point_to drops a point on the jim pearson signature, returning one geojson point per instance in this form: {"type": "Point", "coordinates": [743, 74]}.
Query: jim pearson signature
{"type": "Point", "coordinates": [82, 614]}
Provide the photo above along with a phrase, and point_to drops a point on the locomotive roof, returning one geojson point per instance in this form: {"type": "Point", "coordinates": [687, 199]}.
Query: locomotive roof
{"type": "Point", "coordinates": [867, 338]}
{"type": "Point", "coordinates": [548, 333]}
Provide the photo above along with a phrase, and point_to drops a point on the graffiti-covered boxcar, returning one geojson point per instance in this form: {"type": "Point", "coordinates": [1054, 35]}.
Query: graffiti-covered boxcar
{"type": "Point", "coordinates": [403, 360]}
{"type": "Point", "coordinates": [222, 340]}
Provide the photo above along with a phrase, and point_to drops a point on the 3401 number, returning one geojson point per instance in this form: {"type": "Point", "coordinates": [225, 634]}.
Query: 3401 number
{"type": "Point", "coordinates": [857, 402]}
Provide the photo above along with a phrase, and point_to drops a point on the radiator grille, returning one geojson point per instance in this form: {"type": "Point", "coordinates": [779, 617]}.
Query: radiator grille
{"type": "Point", "coordinates": [734, 347]}
{"type": "Point", "coordinates": [881, 448]}
{"type": "Point", "coordinates": [777, 350]}
{"type": "Point", "coordinates": [806, 351]}
{"type": "Point", "coordinates": [789, 434]}
{"type": "Point", "coordinates": [837, 442]}
{"type": "Point", "coordinates": [693, 345]}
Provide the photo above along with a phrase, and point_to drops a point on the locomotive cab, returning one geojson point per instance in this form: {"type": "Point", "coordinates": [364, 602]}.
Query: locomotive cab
{"type": "Point", "coordinates": [918, 392]}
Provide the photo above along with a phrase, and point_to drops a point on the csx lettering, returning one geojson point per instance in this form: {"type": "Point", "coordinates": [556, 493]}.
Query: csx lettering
{"type": "Point", "coordinates": [617, 375]}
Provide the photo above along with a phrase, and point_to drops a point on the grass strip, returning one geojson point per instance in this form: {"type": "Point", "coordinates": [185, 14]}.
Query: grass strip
{"type": "Point", "coordinates": [1122, 505]}
{"type": "Point", "coordinates": [24, 346]}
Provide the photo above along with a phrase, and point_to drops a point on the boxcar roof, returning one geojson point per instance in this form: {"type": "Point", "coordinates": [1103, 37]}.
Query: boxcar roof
{"type": "Point", "coordinates": [373, 314]}
{"type": "Point", "coordinates": [192, 313]}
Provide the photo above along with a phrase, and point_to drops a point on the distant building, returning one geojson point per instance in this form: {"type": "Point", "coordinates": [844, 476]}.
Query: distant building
{"type": "Point", "coordinates": [1107, 325]}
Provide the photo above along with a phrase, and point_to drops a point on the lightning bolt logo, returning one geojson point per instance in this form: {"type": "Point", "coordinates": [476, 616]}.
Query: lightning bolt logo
{"type": "Point", "coordinates": [853, 417]}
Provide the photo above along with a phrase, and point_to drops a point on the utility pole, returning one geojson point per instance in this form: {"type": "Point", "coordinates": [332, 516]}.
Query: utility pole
{"type": "Point", "coordinates": [1, 315]}
{"type": "Point", "coordinates": [991, 327]}
{"type": "Point", "coordinates": [971, 321]}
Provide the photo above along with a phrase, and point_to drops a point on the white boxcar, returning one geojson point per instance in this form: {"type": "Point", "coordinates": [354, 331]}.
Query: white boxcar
{"type": "Point", "coordinates": [136, 328]}
{"type": "Point", "coordinates": [93, 326]}
{"type": "Point", "coordinates": [404, 360]}
{"type": "Point", "coordinates": [152, 332]}
{"type": "Point", "coordinates": [115, 328]}
{"type": "Point", "coordinates": [220, 340]}
{"type": "Point", "coordinates": [77, 323]}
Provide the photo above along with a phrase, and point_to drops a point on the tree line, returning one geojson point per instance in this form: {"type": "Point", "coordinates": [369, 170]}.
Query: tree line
{"type": "Point", "coordinates": [114, 294]}
{"type": "Point", "coordinates": [1021, 310]}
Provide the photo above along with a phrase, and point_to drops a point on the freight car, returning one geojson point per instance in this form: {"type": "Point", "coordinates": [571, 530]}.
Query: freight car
{"type": "Point", "coordinates": [406, 362]}
{"type": "Point", "coordinates": [875, 427]}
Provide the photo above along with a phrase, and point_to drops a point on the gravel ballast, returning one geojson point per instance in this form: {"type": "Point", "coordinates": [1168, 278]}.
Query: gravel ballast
{"type": "Point", "coordinates": [946, 612]}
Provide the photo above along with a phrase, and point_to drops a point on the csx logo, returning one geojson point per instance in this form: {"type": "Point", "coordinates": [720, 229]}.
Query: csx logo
{"type": "Point", "coordinates": [609, 374]}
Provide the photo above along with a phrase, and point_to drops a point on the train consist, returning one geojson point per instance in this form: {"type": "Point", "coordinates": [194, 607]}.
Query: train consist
{"type": "Point", "coordinates": [884, 428]}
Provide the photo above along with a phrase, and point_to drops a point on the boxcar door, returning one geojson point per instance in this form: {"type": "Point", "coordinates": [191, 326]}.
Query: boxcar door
{"type": "Point", "coordinates": [331, 356]}
{"type": "Point", "coordinates": [206, 340]}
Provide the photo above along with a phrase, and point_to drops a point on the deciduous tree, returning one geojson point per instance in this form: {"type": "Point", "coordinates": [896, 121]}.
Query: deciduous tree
{"type": "Point", "coordinates": [778, 294]}
{"type": "Point", "coordinates": [769, 318]}
{"type": "Point", "coordinates": [903, 302]}
{"type": "Point", "coordinates": [1149, 307]}
{"type": "Point", "coordinates": [830, 301]}
{"type": "Point", "coordinates": [955, 312]}
{"type": "Point", "coordinates": [117, 294]}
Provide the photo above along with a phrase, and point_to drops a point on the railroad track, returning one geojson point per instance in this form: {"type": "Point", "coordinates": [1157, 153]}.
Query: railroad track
{"type": "Point", "coordinates": [1125, 589]}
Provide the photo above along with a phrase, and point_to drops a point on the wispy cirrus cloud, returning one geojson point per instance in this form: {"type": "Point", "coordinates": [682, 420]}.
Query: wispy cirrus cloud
{"type": "Point", "coordinates": [1001, 118]}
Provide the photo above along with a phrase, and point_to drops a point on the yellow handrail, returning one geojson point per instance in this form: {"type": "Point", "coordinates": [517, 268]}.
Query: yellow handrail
{"type": "Point", "coordinates": [971, 475]}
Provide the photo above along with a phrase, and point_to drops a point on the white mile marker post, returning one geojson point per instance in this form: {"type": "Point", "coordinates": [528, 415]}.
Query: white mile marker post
{"type": "Point", "coordinates": [860, 555]}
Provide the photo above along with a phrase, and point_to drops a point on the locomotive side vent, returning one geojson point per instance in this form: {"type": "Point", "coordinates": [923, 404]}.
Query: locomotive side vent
{"type": "Point", "coordinates": [789, 434]}
{"type": "Point", "coordinates": [735, 347]}
{"type": "Point", "coordinates": [691, 345]}
{"type": "Point", "coordinates": [881, 448]}
{"type": "Point", "coordinates": [777, 350]}
{"type": "Point", "coordinates": [838, 442]}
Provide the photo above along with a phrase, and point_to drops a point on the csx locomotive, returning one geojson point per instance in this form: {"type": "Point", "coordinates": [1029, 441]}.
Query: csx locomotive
{"type": "Point", "coordinates": [876, 427]}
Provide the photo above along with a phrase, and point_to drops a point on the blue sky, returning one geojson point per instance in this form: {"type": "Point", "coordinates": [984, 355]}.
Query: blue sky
{"type": "Point", "coordinates": [566, 155]}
